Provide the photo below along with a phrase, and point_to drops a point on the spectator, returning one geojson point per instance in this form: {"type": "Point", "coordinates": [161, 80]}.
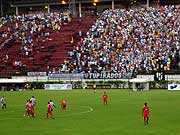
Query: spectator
{"type": "Point", "coordinates": [128, 41]}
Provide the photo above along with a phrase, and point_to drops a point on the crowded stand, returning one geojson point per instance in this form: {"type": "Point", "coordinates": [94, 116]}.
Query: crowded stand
{"type": "Point", "coordinates": [23, 37]}
{"type": "Point", "coordinates": [120, 41]}
{"type": "Point", "coordinates": [129, 41]}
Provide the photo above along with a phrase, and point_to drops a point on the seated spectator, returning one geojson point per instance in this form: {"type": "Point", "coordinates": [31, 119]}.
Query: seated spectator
{"type": "Point", "coordinates": [129, 41]}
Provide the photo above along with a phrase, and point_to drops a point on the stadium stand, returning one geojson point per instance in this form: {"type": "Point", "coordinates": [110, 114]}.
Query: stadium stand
{"type": "Point", "coordinates": [123, 41]}
{"type": "Point", "coordinates": [37, 42]}
{"type": "Point", "coordinates": [129, 41]}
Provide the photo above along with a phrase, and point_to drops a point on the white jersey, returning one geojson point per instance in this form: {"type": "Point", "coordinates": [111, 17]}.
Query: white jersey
{"type": "Point", "coordinates": [33, 100]}
{"type": "Point", "coordinates": [52, 104]}
{"type": "Point", "coordinates": [3, 100]}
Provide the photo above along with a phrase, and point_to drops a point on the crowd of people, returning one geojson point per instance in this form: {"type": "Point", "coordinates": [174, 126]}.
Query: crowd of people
{"type": "Point", "coordinates": [123, 41]}
{"type": "Point", "coordinates": [27, 31]}
{"type": "Point", "coordinates": [129, 41]}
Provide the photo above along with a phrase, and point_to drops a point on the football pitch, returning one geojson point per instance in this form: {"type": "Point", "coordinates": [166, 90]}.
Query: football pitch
{"type": "Point", "coordinates": [86, 114]}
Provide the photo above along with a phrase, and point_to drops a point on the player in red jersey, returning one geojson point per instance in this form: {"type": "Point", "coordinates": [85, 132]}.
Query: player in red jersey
{"type": "Point", "coordinates": [26, 86]}
{"type": "Point", "coordinates": [31, 109]}
{"type": "Point", "coordinates": [63, 104]}
{"type": "Point", "coordinates": [27, 108]}
{"type": "Point", "coordinates": [49, 110]}
{"type": "Point", "coordinates": [104, 97]}
{"type": "Point", "coordinates": [145, 113]}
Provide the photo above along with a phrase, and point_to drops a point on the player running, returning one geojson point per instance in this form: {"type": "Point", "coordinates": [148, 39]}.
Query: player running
{"type": "Point", "coordinates": [3, 102]}
{"type": "Point", "coordinates": [63, 104]}
{"type": "Point", "coordinates": [33, 100]}
{"type": "Point", "coordinates": [31, 109]}
{"type": "Point", "coordinates": [104, 97]}
{"type": "Point", "coordinates": [26, 86]}
{"type": "Point", "coordinates": [145, 113]}
{"type": "Point", "coordinates": [49, 111]}
{"type": "Point", "coordinates": [27, 108]}
{"type": "Point", "coordinates": [52, 104]}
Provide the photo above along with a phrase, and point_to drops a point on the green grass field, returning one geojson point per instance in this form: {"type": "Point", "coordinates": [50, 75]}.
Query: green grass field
{"type": "Point", "coordinates": [86, 114]}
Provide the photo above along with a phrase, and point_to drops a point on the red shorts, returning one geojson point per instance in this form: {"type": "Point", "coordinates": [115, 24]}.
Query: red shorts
{"type": "Point", "coordinates": [49, 112]}
{"type": "Point", "coordinates": [63, 106]}
{"type": "Point", "coordinates": [31, 111]}
{"type": "Point", "coordinates": [104, 99]}
{"type": "Point", "coordinates": [146, 115]}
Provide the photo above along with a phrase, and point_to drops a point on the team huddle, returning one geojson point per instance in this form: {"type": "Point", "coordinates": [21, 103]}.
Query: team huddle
{"type": "Point", "coordinates": [31, 103]}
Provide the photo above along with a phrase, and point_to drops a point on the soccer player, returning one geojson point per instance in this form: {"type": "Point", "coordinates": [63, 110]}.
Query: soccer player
{"type": "Point", "coordinates": [49, 111]}
{"type": "Point", "coordinates": [33, 100]}
{"type": "Point", "coordinates": [31, 108]}
{"type": "Point", "coordinates": [52, 104]}
{"type": "Point", "coordinates": [104, 97]}
{"type": "Point", "coordinates": [63, 104]}
{"type": "Point", "coordinates": [26, 86]}
{"type": "Point", "coordinates": [27, 108]}
{"type": "Point", "coordinates": [3, 102]}
{"type": "Point", "coordinates": [94, 88]}
{"type": "Point", "coordinates": [145, 113]}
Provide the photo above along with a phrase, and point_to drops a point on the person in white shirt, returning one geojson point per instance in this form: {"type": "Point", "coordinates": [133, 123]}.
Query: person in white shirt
{"type": "Point", "coordinates": [33, 100]}
{"type": "Point", "coordinates": [3, 102]}
{"type": "Point", "coordinates": [52, 104]}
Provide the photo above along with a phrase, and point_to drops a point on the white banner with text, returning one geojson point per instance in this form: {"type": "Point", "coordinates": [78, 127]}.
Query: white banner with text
{"type": "Point", "coordinates": [58, 87]}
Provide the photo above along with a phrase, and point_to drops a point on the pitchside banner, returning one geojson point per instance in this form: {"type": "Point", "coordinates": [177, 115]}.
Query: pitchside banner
{"type": "Point", "coordinates": [59, 76]}
{"type": "Point", "coordinates": [36, 73]}
{"type": "Point", "coordinates": [173, 86]}
{"type": "Point", "coordinates": [102, 75]}
{"type": "Point", "coordinates": [58, 87]}
{"type": "Point", "coordinates": [107, 75]}
{"type": "Point", "coordinates": [99, 87]}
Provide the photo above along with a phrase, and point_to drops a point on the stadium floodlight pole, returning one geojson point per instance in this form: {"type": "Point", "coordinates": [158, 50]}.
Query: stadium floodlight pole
{"type": "Point", "coordinates": [74, 7]}
{"type": "Point", "coordinates": [80, 12]}
{"type": "Point", "coordinates": [147, 3]}
{"type": "Point", "coordinates": [113, 4]}
{"type": "Point", "coordinates": [17, 12]}
{"type": "Point", "coordinates": [48, 8]}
